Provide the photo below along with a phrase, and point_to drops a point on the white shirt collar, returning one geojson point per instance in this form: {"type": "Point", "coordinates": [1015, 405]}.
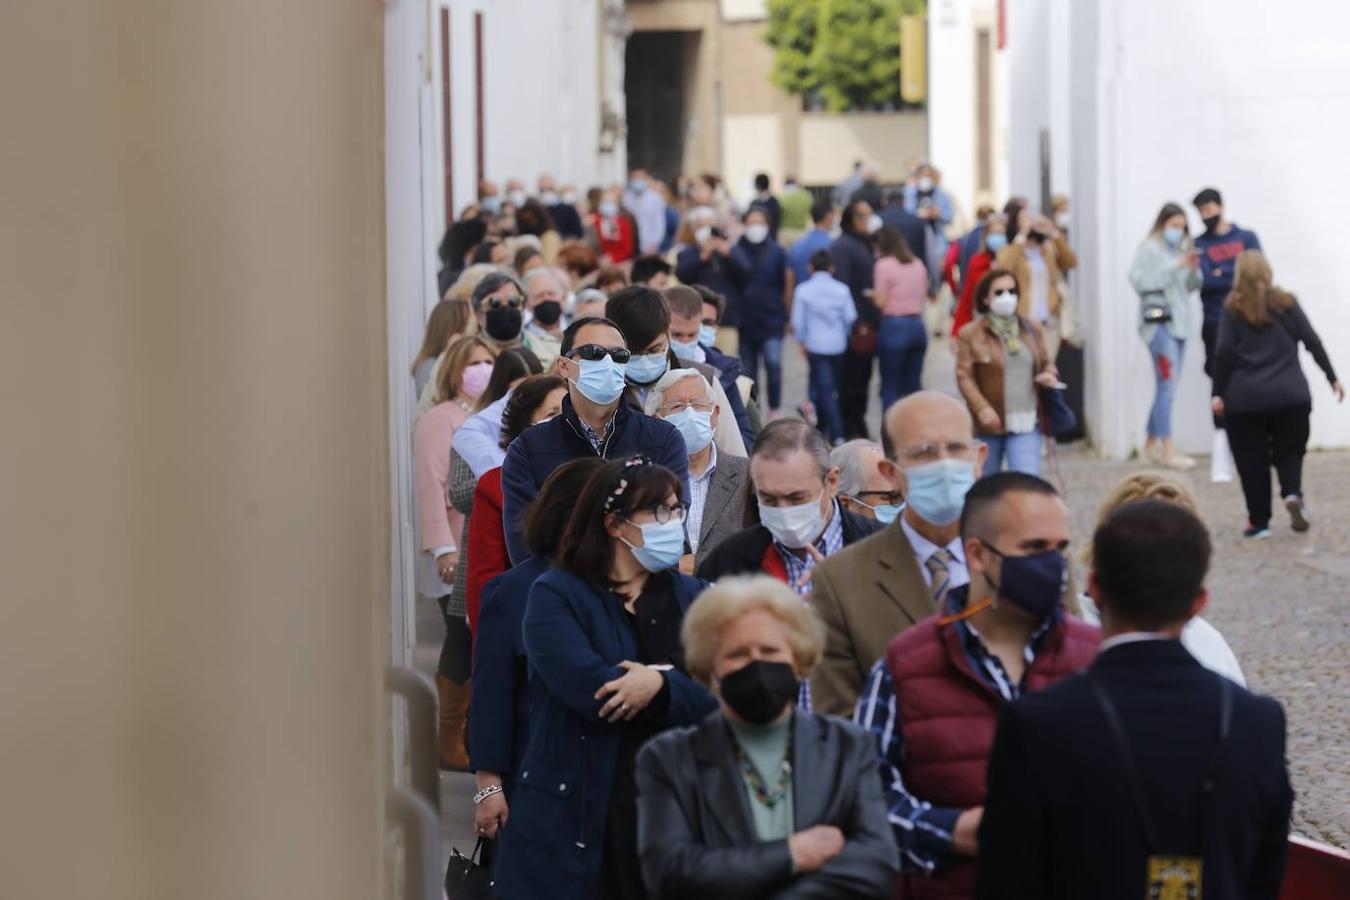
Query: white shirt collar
{"type": "Point", "coordinates": [924, 548]}
{"type": "Point", "coordinates": [1132, 637]}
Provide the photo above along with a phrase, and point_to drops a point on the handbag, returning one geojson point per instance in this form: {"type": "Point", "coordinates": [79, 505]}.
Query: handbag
{"type": "Point", "coordinates": [863, 339]}
{"type": "Point", "coordinates": [466, 877]}
{"type": "Point", "coordinates": [1156, 315]}
{"type": "Point", "coordinates": [1057, 419]}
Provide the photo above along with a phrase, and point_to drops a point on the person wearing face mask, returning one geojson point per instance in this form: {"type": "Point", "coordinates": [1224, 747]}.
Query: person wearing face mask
{"type": "Point", "coordinates": [1039, 256]}
{"type": "Point", "coordinates": [644, 318]}
{"type": "Point", "coordinates": [705, 259]}
{"type": "Point", "coordinates": [926, 199]}
{"type": "Point", "coordinates": [1165, 272]}
{"type": "Point", "coordinates": [933, 701]}
{"type": "Point", "coordinates": [993, 238]}
{"type": "Point", "coordinates": [488, 199]}
{"type": "Point", "coordinates": [463, 378]}
{"type": "Point", "coordinates": [1001, 362]}
{"type": "Point", "coordinates": [607, 673]}
{"type": "Point", "coordinates": [515, 193]}
{"type": "Point", "coordinates": [796, 521]}
{"type": "Point", "coordinates": [717, 479]}
{"type": "Point", "coordinates": [533, 219]}
{"type": "Point", "coordinates": [864, 488]}
{"type": "Point", "coordinates": [498, 304]}
{"type": "Point", "coordinates": [692, 332]}
{"type": "Point", "coordinates": [613, 230]}
{"type": "Point", "coordinates": [854, 256]}
{"type": "Point", "coordinates": [561, 207]}
{"type": "Point", "coordinates": [760, 799]}
{"type": "Point", "coordinates": [545, 292]}
{"type": "Point", "coordinates": [648, 208]}
{"type": "Point", "coordinates": [594, 421]}
{"type": "Point", "coordinates": [765, 303]}
{"type": "Point", "coordinates": [875, 589]}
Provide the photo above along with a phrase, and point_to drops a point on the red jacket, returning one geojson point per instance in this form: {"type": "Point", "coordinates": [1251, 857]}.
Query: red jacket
{"type": "Point", "coordinates": [615, 236]}
{"type": "Point", "coordinates": [487, 541]}
{"type": "Point", "coordinates": [948, 715]}
{"type": "Point", "coordinates": [980, 263]}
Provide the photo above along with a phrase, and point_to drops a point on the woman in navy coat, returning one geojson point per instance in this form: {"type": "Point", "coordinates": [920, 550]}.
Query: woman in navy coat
{"type": "Point", "coordinates": [764, 309]}
{"type": "Point", "coordinates": [499, 712]}
{"type": "Point", "coordinates": [602, 635]}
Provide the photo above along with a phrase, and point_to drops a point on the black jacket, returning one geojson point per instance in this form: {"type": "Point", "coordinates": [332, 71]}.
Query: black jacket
{"type": "Point", "coordinates": [1257, 369]}
{"type": "Point", "coordinates": [696, 836]}
{"type": "Point", "coordinates": [854, 259]}
{"type": "Point", "coordinates": [913, 229]}
{"type": "Point", "coordinates": [1060, 821]}
{"type": "Point", "coordinates": [743, 552]}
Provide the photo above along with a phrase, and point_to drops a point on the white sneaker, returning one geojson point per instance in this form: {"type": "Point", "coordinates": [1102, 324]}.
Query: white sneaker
{"type": "Point", "coordinates": [1220, 459]}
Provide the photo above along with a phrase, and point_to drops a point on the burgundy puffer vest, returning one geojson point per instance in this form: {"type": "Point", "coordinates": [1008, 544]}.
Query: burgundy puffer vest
{"type": "Point", "coordinates": [948, 715]}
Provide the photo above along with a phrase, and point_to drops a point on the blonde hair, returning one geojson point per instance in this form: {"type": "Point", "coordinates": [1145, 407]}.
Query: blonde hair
{"type": "Point", "coordinates": [1254, 292]}
{"type": "Point", "coordinates": [1169, 487]}
{"type": "Point", "coordinates": [455, 362]}
{"type": "Point", "coordinates": [731, 598]}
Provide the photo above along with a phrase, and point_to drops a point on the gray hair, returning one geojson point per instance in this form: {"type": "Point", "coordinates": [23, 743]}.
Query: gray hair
{"type": "Point", "coordinates": [490, 285]}
{"type": "Point", "coordinates": [559, 278]}
{"type": "Point", "coordinates": [657, 395]}
{"type": "Point", "coordinates": [784, 437]}
{"type": "Point", "coordinates": [853, 472]}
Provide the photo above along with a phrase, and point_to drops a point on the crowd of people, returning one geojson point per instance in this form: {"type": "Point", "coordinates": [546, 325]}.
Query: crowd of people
{"type": "Point", "coordinates": [696, 646]}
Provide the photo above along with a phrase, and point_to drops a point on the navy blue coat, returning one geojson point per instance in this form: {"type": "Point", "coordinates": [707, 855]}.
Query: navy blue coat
{"type": "Point", "coordinates": [719, 274]}
{"type": "Point", "coordinates": [854, 261]}
{"type": "Point", "coordinates": [575, 636]}
{"type": "Point", "coordinates": [913, 229]}
{"type": "Point", "coordinates": [763, 296]}
{"type": "Point", "coordinates": [540, 449]}
{"type": "Point", "coordinates": [499, 722]}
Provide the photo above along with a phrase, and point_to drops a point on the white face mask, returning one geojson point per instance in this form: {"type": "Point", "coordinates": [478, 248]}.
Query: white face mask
{"type": "Point", "coordinates": [756, 233]}
{"type": "Point", "coordinates": [1062, 220]}
{"type": "Point", "coordinates": [702, 234]}
{"type": "Point", "coordinates": [793, 526]}
{"type": "Point", "coordinates": [609, 209]}
{"type": "Point", "coordinates": [1004, 304]}
{"type": "Point", "coordinates": [874, 224]}
{"type": "Point", "coordinates": [517, 198]}
{"type": "Point", "coordinates": [925, 183]}
{"type": "Point", "coordinates": [569, 197]}
{"type": "Point", "coordinates": [548, 198]}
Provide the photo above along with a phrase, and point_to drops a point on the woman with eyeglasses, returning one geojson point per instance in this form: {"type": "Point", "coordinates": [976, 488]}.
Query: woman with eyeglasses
{"type": "Point", "coordinates": [602, 633]}
{"type": "Point", "coordinates": [1001, 360]}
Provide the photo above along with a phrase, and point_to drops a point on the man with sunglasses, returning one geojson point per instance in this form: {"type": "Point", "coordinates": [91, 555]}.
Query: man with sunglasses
{"type": "Point", "coordinates": [594, 421]}
{"type": "Point", "coordinates": [498, 304]}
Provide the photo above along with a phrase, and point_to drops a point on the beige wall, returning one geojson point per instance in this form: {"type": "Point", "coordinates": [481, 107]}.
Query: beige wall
{"type": "Point", "coordinates": [702, 142]}
{"type": "Point", "coordinates": [831, 142]}
{"type": "Point", "coordinates": [194, 539]}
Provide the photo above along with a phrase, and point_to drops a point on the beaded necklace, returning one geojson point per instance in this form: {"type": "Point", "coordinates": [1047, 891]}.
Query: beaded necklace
{"type": "Point", "coordinates": [767, 798]}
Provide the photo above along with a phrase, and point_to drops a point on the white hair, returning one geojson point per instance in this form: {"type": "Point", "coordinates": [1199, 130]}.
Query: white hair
{"type": "Point", "coordinates": [657, 395]}
{"type": "Point", "coordinates": [853, 472]}
{"type": "Point", "coordinates": [559, 278]}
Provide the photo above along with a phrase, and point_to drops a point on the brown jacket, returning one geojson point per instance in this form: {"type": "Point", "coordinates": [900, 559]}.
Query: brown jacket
{"type": "Point", "coordinates": [1059, 258]}
{"type": "Point", "coordinates": [865, 595]}
{"type": "Point", "coordinates": [979, 367]}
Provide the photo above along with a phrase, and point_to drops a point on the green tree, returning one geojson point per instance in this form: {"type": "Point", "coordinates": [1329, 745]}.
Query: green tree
{"type": "Point", "coordinates": [846, 52]}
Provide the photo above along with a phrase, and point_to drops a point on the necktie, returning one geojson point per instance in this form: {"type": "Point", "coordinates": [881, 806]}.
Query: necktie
{"type": "Point", "coordinates": [937, 565]}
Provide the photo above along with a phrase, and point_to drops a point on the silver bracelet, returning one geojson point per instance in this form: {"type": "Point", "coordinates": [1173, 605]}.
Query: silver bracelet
{"type": "Point", "coordinates": [486, 793]}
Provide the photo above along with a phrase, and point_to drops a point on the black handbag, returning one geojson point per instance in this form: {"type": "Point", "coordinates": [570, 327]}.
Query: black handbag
{"type": "Point", "coordinates": [466, 877]}
{"type": "Point", "coordinates": [1156, 315]}
{"type": "Point", "coordinates": [1057, 419]}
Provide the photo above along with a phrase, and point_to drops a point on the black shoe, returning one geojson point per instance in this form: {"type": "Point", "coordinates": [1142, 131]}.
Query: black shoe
{"type": "Point", "coordinates": [1259, 534]}
{"type": "Point", "coordinates": [1298, 513]}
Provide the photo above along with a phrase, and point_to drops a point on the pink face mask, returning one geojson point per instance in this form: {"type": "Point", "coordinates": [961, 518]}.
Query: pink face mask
{"type": "Point", "coordinates": [475, 379]}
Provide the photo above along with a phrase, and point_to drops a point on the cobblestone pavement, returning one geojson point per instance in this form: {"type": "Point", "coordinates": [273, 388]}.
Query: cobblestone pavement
{"type": "Point", "coordinates": [1282, 604]}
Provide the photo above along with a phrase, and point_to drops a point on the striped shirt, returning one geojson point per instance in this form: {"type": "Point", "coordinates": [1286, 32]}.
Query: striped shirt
{"type": "Point", "coordinates": [831, 541]}
{"type": "Point", "coordinates": [924, 831]}
{"type": "Point", "coordinates": [698, 498]}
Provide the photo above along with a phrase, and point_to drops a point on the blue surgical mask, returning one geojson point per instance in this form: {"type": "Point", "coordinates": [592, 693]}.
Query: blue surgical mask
{"type": "Point", "coordinates": [695, 427]}
{"type": "Point", "coordinates": [491, 205]}
{"type": "Point", "coordinates": [707, 335]}
{"type": "Point", "coordinates": [937, 490]}
{"type": "Point", "coordinates": [683, 350]}
{"type": "Point", "coordinates": [886, 513]}
{"type": "Point", "coordinates": [996, 242]}
{"type": "Point", "coordinates": [662, 545]}
{"type": "Point", "coordinates": [646, 368]}
{"type": "Point", "coordinates": [1034, 583]}
{"type": "Point", "coordinates": [1173, 236]}
{"type": "Point", "coordinates": [637, 185]}
{"type": "Point", "coordinates": [601, 380]}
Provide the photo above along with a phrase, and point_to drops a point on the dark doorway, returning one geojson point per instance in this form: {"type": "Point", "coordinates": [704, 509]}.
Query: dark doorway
{"type": "Point", "coordinates": [658, 68]}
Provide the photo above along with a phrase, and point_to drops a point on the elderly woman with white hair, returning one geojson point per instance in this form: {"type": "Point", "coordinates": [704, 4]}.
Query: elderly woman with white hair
{"type": "Point", "coordinates": [760, 799]}
{"type": "Point", "coordinates": [546, 291]}
{"type": "Point", "coordinates": [685, 399]}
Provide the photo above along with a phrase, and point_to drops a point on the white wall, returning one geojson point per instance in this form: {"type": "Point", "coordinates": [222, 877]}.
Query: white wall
{"type": "Point", "coordinates": [951, 97]}
{"type": "Point", "coordinates": [1028, 61]}
{"type": "Point", "coordinates": [1183, 99]}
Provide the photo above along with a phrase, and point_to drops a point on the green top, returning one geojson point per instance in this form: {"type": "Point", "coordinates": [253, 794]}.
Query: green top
{"type": "Point", "coordinates": [765, 747]}
{"type": "Point", "coordinates": [796, 209]}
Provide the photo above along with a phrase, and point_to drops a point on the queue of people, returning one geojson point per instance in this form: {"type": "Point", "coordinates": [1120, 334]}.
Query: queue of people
{"type": "Point", "coordinates": [696, 646]}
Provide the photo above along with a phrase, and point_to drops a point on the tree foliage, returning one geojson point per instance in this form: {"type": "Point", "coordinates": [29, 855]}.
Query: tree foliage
{"type": "Point", "coordinates": [846, 53]}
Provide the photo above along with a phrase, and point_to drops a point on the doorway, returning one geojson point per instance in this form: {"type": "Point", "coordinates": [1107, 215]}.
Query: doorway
{"type": "Point", "coordinates": [658, 70]}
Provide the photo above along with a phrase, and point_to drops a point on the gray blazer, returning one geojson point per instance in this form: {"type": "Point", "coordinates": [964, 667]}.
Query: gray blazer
{"type": "Point", "coordinates": [696, 835]}
{"type": "Point", "coordinates": [726, 500]}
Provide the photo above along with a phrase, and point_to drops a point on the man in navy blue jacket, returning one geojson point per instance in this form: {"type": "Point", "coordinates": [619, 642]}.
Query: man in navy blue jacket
{"type": "Point", "coordinates": [594, 422]}
{"type": "Point", "coordinates": [1219, 246]}
{"type": "Point", "coordinates": [1148, 775]}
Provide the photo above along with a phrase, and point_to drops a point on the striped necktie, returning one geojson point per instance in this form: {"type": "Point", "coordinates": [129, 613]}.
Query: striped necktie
{"type": "Point", "coordinates": [937, 565]}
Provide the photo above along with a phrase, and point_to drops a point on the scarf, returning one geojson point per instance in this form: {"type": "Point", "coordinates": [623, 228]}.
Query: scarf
{"type": "Point", "coordinates": [1009, 331]}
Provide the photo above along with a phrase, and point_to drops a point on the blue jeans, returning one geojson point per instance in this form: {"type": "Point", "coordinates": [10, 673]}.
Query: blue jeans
{"type": "Point", "coordinates": [900, 350]}
{"type": "Point", "coordinates": [772, 351]}
{"type": "Point", "coordinates": [1021, 451]}
{"type": "Point", "coordinates": [823, 389]}
{"type": "Point", "coordinates": [1167, 355]}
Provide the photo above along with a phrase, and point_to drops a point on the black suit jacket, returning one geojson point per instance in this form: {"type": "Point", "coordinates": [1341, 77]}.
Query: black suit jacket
{"type": "Point", "coordinates": [1059, 821]}
{"type": "Point", "coordinates": [696, 836]}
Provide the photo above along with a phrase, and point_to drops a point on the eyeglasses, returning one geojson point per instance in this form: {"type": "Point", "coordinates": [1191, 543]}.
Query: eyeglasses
{"type": "Point", "coordinates": [515, 302]}
{"type": "Point", "coordinates": [679, 406]}
{"type": "Point", "coordinates": [927, 453]}
{"type": "Point", "coordinates": [593, 352]}
{"type": "Point", "coordinates": [879, 497]}
{"type": "Point", "coordinates": [711, 323]}
{"type": "Point", "coordinates": [663, 514]}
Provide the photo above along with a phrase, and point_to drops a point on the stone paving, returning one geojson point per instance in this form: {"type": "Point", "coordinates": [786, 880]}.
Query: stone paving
{"type": "Point", "coordinates": [1282, 604]}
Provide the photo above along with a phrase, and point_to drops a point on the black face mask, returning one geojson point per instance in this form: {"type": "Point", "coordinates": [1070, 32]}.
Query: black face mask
{"type": "Point", "coordinates": [757, 692]}
{"type": "Point", "coordinates": [548, 312]}
{"type": "Point", "coordinates": [1212, 222]}
{"type": "Point", "coordinates": [503, 323]}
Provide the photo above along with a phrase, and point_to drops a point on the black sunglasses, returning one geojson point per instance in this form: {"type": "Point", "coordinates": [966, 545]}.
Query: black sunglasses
{"type": "Point", "coordinates": [592, 352]}
{"type": "Point", "coordinates": [497, 302]}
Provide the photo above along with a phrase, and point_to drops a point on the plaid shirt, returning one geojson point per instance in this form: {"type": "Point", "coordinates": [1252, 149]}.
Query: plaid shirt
{"type": "Point", "coordinates": [830, 542]}
{"type": "Point", "coordinates": [698, 498]}
{"type": "Point", "coordinates": [924, 831]}
{"type": "Point", "coordinates": [597, 440]}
